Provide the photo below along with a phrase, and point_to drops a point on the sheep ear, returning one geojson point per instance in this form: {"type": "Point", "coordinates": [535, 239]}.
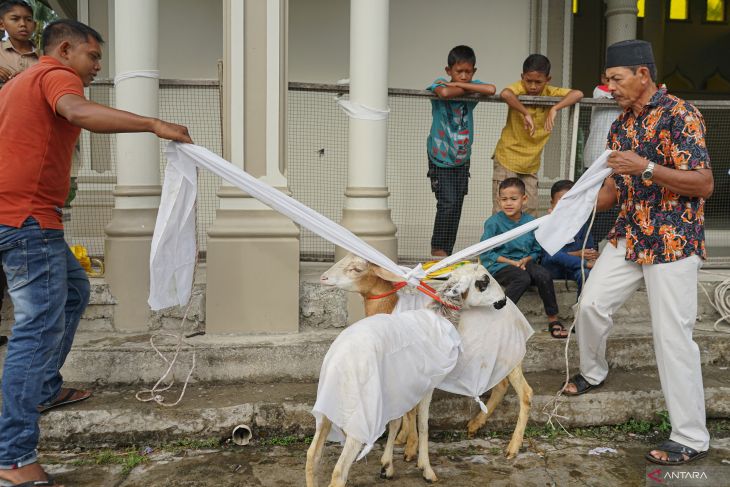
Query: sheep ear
{"type": "Point", "coordinates": [386, 275]}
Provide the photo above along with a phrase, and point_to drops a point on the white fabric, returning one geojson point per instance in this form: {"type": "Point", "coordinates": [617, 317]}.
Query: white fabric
{"type": "Point", "coordinates": [410, 299]}
{"type": "Point", "coordinates": [136, 74]}
{"type": "Point", "coordinates": [493, 342]}
{"type": "Point", "coordinates": [362, 112]}
{"type": "Point", "coordinates": [601, 119]}
{"type": "Point", "coordinates": [379, 368]}
{"type": "Point", "coordinates": [672, 293]}
{"type": "Point", "coordinates": [180, 156]}
{"type": "Point", "coordinates": [574, 208]}
{"type": "Point", "coordinates": [173, 251]}
{"type": "Point", "coordinates": [183, 158]}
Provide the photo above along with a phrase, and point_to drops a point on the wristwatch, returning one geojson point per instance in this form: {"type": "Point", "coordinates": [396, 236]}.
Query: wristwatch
{"type": "Point", "coordinates": [648, 172]}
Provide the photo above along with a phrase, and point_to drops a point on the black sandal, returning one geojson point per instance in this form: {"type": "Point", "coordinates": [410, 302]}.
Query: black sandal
{"type": "Point", "coordinates": [675, 454]}
{"type": "Point", "coordinates": [581, 385]}
{"type": "Point", "coordinates": [65, 396]}
{"type": "Point", "coordinates": [557, 329]}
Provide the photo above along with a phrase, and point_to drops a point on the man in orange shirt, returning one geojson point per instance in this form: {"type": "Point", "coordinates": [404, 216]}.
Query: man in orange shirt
{"type": "Point", "coordinates": [42, 111]}
{"type": "Point", "coordinates": [17, 54]}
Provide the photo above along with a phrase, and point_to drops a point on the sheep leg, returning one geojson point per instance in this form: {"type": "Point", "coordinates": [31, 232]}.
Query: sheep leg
{"type": "Point", "coordinates": [314, 453]}
{"type": "Point", "coordinates": [411, 449]}
{"type": "Point", "coordinates": [423, 461]}
{"type": "Point", "coordinates": [480, 418]}
{"type": "Point", "coordinates": [404, 430]}
{"type": "Point", "coordinates": [386, 461]}
{"type": "Point", "coordinates": [347, 457]}
{"type": "Point", "coordinates": [524, 391]}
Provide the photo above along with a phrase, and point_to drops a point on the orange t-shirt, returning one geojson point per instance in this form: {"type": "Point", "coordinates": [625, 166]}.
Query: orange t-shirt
{"type": "Point", "coordinates": [36, 145]}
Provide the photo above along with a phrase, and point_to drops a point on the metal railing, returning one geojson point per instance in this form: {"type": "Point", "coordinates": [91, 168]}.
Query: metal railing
{"type": "Point", "coordinates": [317, 152]}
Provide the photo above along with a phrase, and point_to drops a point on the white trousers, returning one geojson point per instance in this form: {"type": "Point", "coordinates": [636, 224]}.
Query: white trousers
{"type": "Point", "coordinates": [672, 291]}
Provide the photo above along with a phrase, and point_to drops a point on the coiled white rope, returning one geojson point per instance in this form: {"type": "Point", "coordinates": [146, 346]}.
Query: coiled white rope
{"type": "Point", "coordinates": [154, 392]}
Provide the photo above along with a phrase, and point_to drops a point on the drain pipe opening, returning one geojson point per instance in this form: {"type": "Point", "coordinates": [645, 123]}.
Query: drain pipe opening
{"type": "Point", "coordinates": [241, 435]}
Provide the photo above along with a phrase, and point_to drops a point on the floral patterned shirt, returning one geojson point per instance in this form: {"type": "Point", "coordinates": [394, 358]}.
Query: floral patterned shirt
{"type": "Point", "coordinates": [660, 226]}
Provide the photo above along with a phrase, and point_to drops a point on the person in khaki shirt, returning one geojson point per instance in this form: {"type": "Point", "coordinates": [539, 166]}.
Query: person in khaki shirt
{"type": "Point", "coordinates": [527, 129]}
{"type": "Point", "coordinates": [17, 52]}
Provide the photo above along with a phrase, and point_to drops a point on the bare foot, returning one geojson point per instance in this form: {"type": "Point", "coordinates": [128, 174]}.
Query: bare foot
{"type": "Point", "coordinates": [570, 388]}
{"type": "Point", "coordinates": [662, 455]}
{"type": "Point", "coordinates": [27, 473]}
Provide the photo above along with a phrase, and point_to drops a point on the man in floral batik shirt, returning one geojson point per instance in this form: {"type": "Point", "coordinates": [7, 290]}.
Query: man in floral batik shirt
{"type": "Point", "coordinates": [661, 177]}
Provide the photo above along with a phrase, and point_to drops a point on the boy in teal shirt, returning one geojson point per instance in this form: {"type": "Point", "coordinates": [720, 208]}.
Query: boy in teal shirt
{"type": "Point", "coordinates": [514, 263]}
{"type": "Point", "coordinates": [449, 144]}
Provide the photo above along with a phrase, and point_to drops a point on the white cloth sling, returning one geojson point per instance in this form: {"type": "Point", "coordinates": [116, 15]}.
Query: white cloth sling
{"type": "Point", "coordinates": [493, 342]}
{"type": "Point", "coordinates": [172, 257]}
{"type": "Point", "coordinates": [380, 368]}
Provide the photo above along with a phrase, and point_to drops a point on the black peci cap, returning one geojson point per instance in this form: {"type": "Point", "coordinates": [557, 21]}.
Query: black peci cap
{"type": "Point", "coordinates": [629, 53]}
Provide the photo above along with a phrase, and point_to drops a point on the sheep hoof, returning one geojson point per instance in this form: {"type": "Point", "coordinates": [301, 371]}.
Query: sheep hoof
{"type": "Point", "coordinates": [431, 479]}
{"type": "Point", "coordinates": [409, 457]}
{"type": "Point", "coordinates": [386, 472]}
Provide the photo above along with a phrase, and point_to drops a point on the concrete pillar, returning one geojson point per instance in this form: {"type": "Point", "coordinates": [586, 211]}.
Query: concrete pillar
{"type": "Point", "coordinates": [366, 211]}
{"type": "Point", "coordinates": [253, 252]}
{"type": "Point", "coordinates": [137, 193]}
{"type": "Point", "coordinates": [620, 20]}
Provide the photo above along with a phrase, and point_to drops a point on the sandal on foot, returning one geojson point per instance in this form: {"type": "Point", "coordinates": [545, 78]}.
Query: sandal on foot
{"type": "Point", "coordinates": [676, 453]}
{"type": "Point", "coordinates": [581, 385]}
{"type": "Point", "coordinates": [557, 329]}
{"type": "Point", "coordinates": [66, 396]}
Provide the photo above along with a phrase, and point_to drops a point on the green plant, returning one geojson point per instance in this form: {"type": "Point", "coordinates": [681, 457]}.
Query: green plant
{"type": "Point", "coordinates": [664, 424]}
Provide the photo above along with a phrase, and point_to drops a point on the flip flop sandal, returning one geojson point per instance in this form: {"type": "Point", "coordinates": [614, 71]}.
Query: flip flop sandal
{"type": "Point", "coordinates": [65, 398]}
{"type": "Point", "coordinates": [675, 454]}
{"type": "Point", "coordinates": [581, 384]}
{"type": "Point", "coordinates": [556, 328]}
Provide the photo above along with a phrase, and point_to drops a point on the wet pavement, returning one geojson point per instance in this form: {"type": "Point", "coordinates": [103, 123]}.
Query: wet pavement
{"type": "Point", "coordinates": [547, 459]}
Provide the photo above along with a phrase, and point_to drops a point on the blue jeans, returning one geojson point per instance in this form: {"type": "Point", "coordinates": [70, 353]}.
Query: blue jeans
{"type": "Point", "coordinates": [50, 291]}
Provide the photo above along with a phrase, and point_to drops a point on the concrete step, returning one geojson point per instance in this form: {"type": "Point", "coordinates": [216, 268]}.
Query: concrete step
{"type": "Point", "coordinates": [323, 307]}
{"type": "Point", "coordinates": [119, 358]}
{"type": "Point", "coordinates": [113, 417]}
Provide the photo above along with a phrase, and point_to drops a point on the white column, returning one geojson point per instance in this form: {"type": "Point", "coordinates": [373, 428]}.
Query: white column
{"type": "Point", "coordinates": [366, 210]}
{"type": "Point", "coordinates": [251, 247]}
{"type": "Point", "coordinates": [137, 193]}
{"type": "Point", "coordinates": [620, 20]}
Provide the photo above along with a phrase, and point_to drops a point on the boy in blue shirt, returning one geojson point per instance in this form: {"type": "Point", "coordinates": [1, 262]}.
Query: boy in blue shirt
{"type": "Point", "coordinates": [449, 144]}
{"type": "Point", "coordinates": [514, 264]}
{"type": "Point", "coordinates": [566, 263]}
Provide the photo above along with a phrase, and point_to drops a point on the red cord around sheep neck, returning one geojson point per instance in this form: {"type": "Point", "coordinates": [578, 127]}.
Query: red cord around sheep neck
{"type": "Point", "coordinates": [423, 287]}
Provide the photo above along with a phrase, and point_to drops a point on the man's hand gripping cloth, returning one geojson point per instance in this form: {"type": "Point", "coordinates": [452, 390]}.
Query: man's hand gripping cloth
{"type": "Point", "coordinates": [379, 368]}
{"type": "Point", "coordinates": [493, 342]}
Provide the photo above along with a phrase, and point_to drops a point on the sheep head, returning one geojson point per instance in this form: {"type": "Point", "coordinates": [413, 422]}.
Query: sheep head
{"type": "Point", "coordinates": [355, 274]}
{"type": "Point", "coordinates": [472, 286]}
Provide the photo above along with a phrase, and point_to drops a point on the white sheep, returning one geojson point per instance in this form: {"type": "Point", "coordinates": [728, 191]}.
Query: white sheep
{"type": "Point", "coordinates": [384, 365]}
{"type": "Point", "coordinates": [483, 331]}
{"type": "Point", "coordinates": [382, 292]}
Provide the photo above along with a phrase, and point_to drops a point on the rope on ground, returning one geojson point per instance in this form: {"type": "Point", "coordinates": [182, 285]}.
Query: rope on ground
{"type": "Point", "coordinates": [721, 303]}
{"type": "Point", "coordinates": [551, 407]}
{"type": "Point", "coordinates": [154, 394]}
